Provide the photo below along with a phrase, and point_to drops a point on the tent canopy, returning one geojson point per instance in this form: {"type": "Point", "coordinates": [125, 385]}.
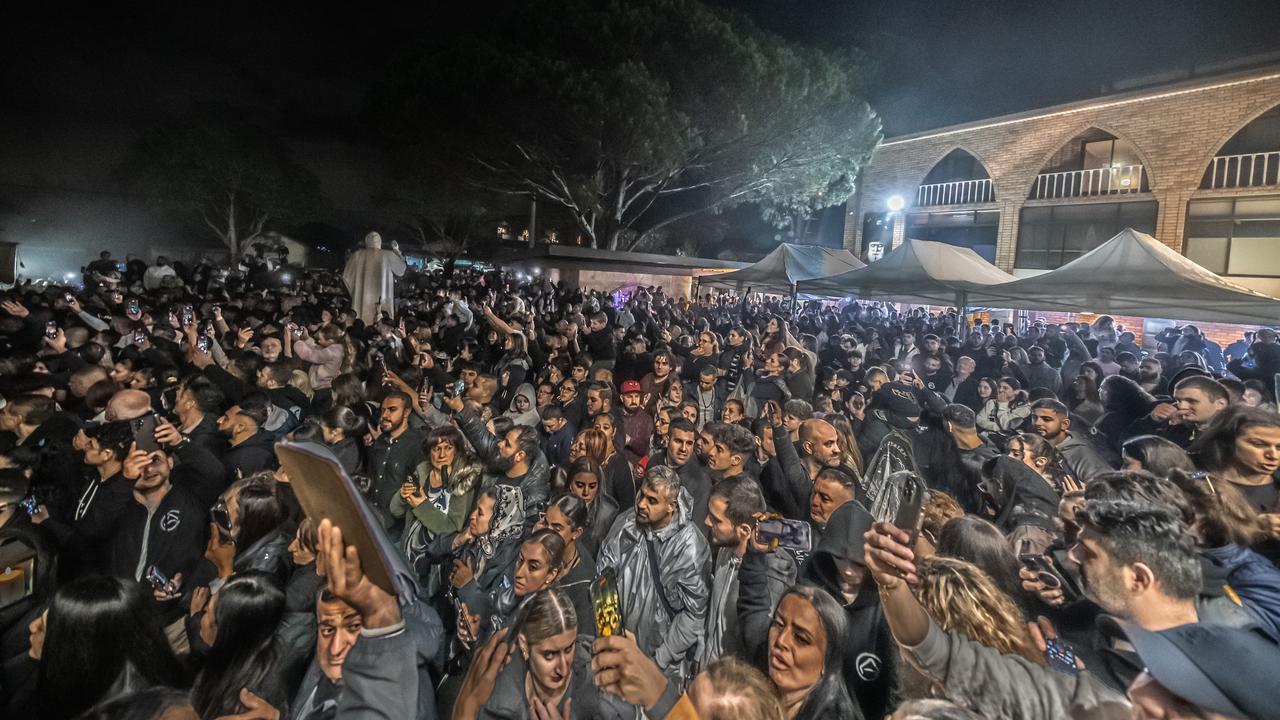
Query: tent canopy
{"type": "Point", "coordinates": [1135, 274]}
{"type": "Point", "coordinates": [780, 270]}
{"type": "Point", "coordinates": [917, 271]}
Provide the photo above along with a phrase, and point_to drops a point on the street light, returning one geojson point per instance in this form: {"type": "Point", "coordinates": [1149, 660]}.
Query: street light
{"type": "Point", "coordinates": [895, 203]}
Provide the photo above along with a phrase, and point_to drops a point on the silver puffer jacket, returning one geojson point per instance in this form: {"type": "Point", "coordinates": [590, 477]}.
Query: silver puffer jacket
{"type": "Point", "coordinates": [682, 559]}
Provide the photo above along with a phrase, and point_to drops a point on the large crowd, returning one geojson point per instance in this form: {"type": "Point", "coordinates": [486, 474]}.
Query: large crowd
{"type": "Point", "coordinates": [624, 505]}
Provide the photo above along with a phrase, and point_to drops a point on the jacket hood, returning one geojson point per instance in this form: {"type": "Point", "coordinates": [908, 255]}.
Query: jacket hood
{"type": "Point", "coordinates": [261, 439]}
{"type": "Point", "coordinates": [529, 417]}
{"type": "Point", "coordinates": [1017, 493]}
{"type": "Point", "coordinates": [842, 539]}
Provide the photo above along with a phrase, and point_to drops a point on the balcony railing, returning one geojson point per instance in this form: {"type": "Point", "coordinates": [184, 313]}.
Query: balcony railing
{"type": "Point", "coordinates": [960, 192]}
{"type": "Point", "coordinates": [1242, 171]}
{"type": "Point", "coordinates": [1089, 183]}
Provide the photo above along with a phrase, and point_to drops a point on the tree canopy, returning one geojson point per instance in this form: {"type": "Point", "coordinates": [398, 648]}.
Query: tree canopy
{"type": "Point", "coordinates": [632, 114]}
{"type": "Point", "coordinates": [224, 174]}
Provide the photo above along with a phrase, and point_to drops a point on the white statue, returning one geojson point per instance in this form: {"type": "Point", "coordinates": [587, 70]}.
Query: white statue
{"type": "Point", "coordinates": [370, 277]}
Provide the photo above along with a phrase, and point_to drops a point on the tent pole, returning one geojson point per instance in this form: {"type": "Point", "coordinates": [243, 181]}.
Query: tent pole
{"type": "Point", "coordinates": [962, 299]}
{"type": "Point", "coordinates": [794, 290]}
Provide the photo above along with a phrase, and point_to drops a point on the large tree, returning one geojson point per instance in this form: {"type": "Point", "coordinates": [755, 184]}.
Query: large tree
{"type": "Point", "coordinates": [633, 114]}
{"type": "Point", "coordinates": [226, 175]}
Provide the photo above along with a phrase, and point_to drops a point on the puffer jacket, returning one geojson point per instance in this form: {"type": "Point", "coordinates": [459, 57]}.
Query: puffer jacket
{"type": "Point", "coordinates": [682, 556]}
{"type": "Point", "coordinates": [1256, 581]}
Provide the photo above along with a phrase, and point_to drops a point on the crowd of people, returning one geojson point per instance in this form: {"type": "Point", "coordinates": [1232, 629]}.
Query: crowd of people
{"type": "Point", "coordinates": [1097, 538]}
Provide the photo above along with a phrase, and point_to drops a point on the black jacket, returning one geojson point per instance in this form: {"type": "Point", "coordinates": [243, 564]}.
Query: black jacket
{"type": "Point", "coordinates": [256, 453]}
{"type": "Point", "coordinates": [390, 463]}
{"type": "Point", "coordinates": [870, 653]}
{"type": "Point", "coordinates": [84, 539]}
{"type": "Point", "coordinates": [172, 538]}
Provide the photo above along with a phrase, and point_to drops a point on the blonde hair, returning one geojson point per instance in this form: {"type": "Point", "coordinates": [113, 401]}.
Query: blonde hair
{"type": "Point", "coordinates": [299, 380]}
{"type": "Point", "coordinates": [959, 596]}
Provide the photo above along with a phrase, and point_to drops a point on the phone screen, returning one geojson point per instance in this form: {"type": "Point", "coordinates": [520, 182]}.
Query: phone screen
{"type": "Point", "coordinates": [51, 329]}
{"type": "Point", "coordinates": [133, 307]}
{"type": "Point", "coordinates": [910, 509]}
{"type": "Point", "coordinates": [794, 535]}
{"type": "Point", "coordinates": [1060, 657]}
{"type": "Point", "coordinates": [606, 603]}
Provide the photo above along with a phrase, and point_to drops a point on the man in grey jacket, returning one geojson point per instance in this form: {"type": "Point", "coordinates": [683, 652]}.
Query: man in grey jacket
{"type": "Point", "coordinates": [1052, 420]}
{"type": "Point", "coordinates": [660, 555]}
{"type": "Point", "coordinates": [734, 627]}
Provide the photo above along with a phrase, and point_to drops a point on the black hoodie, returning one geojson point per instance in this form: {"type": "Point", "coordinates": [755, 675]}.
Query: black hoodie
{"type": "Point", "coordinates": [870, 653]}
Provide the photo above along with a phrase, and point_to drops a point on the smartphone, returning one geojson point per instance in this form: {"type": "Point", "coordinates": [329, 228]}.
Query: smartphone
{"type": "Point", "coordinates": [30, 504]}
{"type": "Point", "coordinates": [133, 308]}
{"type": "Point", "coordinates": [794, 535]}
{"type": "Point", "coordinates": [139, 337]}
{"type": "Point", "coordinates": [188, 315]}
{"type": "Point", "coordinates": [121, 267]}
{"type": "Point", "coordinates": [606, 603]}
{"type": "Point", "coordinates": [158, 580]}
{"type": "Point", "coordinates": [222, 520]}
{"type": "Point", "coordinates": [69, 298]}
{"type": "Point", "coordinates": [144, 433]}
{"type": "Point", "coordinates": [297, 332]}
{"type": "Point", "coordinates": [911, 507]}
{"type": "Point", "coordinates": [457, 389]}
{"type": "Point", "coordinates": [202, 344]}
{"type": "Point", "coordinates": [1060, 657]}
{"type": "Point", "coordinates": [51, 329]}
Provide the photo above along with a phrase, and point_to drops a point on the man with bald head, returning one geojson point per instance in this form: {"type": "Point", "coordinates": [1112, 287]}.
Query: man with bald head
{"type": "Point", "coordinates": [819, 446]}
{"type": "Point", "coordinates": [128, 405]}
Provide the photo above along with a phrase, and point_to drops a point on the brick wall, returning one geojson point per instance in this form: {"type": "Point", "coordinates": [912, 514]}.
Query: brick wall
{"type": "Point", "coordinates": [1177, 130]}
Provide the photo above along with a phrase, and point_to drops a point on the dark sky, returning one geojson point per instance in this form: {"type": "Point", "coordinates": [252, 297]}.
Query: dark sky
{"type": "Point", "coordinates": [940, 62]}
{"type": "Point", "coordinates": [74, 85]}
{"type": "Point", "coordinates": [306, 65]}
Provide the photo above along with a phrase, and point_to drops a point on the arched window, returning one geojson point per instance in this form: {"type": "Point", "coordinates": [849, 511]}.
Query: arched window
{"type": "Point", "coordinates": [1251, 158]}
{"type": "Point", "coordinates": [958, 178]}
{"type": "Point", "coordinates": [1093, 163]}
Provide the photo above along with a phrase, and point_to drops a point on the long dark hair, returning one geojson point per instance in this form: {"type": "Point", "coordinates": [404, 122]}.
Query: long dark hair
{"type": "Point", "coordinates": [102, 633]}
{"type": "Point", "coordinates": [1216, 448]}
{"type": "Point", "coordinates": [262, 510]}
{"type": "Point", "coordinates": [1156, 455]}
{"type": "Point", "coordinates": [829, 698]}
{"type": "Point", "coordinates": [980, 542]}
{"type": "Point", "coordinates": [244, 653]}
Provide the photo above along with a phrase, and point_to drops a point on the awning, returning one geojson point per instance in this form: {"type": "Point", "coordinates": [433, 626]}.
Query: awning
{"type": "Point", "coordinates": [779, 271]}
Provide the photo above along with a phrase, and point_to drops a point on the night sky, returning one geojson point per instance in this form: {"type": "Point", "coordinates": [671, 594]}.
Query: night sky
{"type": "Point", "coordinates": [75, 85]}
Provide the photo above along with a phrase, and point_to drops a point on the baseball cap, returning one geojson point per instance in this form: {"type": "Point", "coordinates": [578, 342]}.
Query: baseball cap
{"type": "Point", "coordinates": [1224, 669]}
{"type": "Point", "coordinates": [630, 386]}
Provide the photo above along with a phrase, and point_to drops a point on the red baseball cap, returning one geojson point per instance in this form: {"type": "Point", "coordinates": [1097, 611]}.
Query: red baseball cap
{"type": "Point", "coordinates": [630, 386]}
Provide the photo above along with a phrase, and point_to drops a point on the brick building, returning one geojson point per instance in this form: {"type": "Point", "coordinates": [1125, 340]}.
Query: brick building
{"type": "Point", "coordinates": [1195, 163]}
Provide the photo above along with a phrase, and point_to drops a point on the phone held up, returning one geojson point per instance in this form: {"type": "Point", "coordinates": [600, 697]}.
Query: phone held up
{"type": "Point", "coordinates": [911, 509]}
{"type": "Point", "coordinates": [606, 604]}
{"type": "Point", "coordinates": [779, 532]}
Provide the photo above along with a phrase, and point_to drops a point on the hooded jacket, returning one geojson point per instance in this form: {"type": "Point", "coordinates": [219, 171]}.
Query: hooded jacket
{"type": "Point", "coordinates": [529, 417]}
{"type": "Point", "coordinates": [870, 652]}
{"type": "Point", "coordinates": [682, 557]}
{"type": "Point", "coordinates": [172, 537]}
{"type": "Point", "coordinates": [1018, 495]}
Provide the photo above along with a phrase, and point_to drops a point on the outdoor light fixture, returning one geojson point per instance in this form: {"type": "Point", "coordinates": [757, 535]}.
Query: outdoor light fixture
{"type": "Point", "coordinates": [895, 203]}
